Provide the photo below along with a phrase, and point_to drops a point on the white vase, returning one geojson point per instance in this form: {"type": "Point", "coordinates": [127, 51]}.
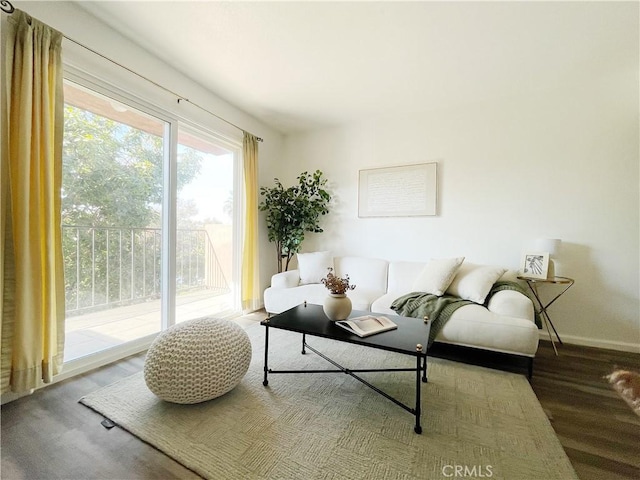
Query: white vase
{"type": "Point", "coordinates": [337, 306]}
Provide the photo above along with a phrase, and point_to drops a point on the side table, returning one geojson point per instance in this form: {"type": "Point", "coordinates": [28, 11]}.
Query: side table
{"type": "Point", "coordinates": [565, 283]}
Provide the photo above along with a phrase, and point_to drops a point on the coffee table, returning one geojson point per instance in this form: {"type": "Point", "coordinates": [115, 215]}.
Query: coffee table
{"type": "Point", "coordinates": [410, 338]}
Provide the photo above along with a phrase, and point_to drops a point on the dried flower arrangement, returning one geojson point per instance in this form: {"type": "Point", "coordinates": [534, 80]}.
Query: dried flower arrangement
{"type": "Point", "coordinates": [337, 285]}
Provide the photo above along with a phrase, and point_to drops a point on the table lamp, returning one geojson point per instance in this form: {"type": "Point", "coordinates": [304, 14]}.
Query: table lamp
{"type": "Point", "coordinates": [551, 245]}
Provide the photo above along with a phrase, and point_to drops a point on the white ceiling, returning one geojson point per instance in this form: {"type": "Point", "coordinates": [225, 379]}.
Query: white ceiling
{"type": "Point", "coordinates": [302, 65]}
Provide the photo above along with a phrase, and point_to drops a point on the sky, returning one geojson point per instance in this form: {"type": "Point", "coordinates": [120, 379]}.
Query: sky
{"type": "Point", "coordinates": [210, 189]}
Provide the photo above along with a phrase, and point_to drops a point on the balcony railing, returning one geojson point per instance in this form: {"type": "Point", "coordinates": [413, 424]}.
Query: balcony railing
{"type": "Point", "coordinates": [110, 266]}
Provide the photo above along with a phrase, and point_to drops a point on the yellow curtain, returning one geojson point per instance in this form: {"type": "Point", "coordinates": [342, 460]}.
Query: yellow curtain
{"type": "Point", "coordinates": [32, 268]}
{"type": "Point", "coordinates": [251, 298]}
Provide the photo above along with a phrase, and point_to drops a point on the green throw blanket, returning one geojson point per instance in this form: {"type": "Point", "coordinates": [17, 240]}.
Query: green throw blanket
{"type": "Point", "coordinates": [440, 309]}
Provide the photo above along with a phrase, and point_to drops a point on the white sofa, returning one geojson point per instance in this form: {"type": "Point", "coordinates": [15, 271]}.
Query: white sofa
{"type": "Point", "coordinates": [506, 324]}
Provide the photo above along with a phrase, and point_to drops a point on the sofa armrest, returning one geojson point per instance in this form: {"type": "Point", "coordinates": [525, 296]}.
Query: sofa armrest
{"type": "Point", "coordinates": [288, 279]}
{"type": "Point", "coordinates": [512, 304]}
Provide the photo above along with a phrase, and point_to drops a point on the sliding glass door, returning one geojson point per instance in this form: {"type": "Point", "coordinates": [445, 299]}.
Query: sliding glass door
{"type": "Point", "coordinates": [205, 233]}
{"type": "Point", "coordinates": [118, 237]}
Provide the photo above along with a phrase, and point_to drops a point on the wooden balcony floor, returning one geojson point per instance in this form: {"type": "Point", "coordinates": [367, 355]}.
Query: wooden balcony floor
{"type": "Point", "coordinates": [95, 331]}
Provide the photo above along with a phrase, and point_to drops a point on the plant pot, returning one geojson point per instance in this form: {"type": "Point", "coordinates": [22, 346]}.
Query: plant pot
{"type": "Point", "coordinates": [337, 306]}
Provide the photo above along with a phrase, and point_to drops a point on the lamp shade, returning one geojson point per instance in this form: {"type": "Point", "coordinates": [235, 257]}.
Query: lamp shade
{"type": "Point", "coordinates": [551, 245]}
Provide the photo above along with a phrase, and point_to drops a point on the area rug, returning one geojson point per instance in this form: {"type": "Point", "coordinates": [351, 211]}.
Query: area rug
{"type": "Point", "coordinates": [477, 422]}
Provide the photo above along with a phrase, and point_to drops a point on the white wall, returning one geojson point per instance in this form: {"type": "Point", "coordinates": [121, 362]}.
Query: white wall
{"type": "Point", "coordinates": [552, 164]}
{"type": "Point", "coordinates": [557, 164]}
{"type": "Point", "coordinates": [78, 25]}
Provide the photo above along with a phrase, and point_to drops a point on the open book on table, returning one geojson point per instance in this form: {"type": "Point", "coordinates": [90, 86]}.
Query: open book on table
{"type": "Point", "coordinates": [367, 325]}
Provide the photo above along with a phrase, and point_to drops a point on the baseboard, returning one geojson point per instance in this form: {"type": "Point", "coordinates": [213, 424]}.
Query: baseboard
{"type": "Point", "coordinates": [593, 342]}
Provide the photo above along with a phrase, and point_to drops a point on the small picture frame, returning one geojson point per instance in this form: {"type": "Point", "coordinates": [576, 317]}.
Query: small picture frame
{"type": "Point", "coordinates": [535, 265]}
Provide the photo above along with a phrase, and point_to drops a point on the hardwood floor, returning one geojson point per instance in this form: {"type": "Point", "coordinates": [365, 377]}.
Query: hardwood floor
{"type": "Point", "coordinates": [597, 429]}
{"type": "Point", "coordinates": [48, 435]}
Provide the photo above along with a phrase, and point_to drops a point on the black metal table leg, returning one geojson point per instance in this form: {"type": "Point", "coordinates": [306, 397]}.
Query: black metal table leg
{"type": "Point", "coordinates": [424, 370]}
{"type": "Point", "coordinates": [418, 428]}
{"type": "Point", "coordinates": [304, 320]}
{"type": "Point", "coordinates": [265, 382]}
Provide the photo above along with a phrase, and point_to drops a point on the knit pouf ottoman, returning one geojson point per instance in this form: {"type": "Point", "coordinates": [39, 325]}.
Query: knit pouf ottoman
{"type": "Point", "coordinates": [197, 360]}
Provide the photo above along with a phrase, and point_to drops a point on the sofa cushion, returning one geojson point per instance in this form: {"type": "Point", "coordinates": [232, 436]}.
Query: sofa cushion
{"type": "Point", "coordinates": [475, 326]}
{"type": "Point", "coordinates": [511, 304]}
{"type": "Point", "coordinates": [437, 275]}
{"type": "Point", "coordinates": [367, 274]}
{"type": "Point", "coordinates": [362, 298]}
{"type": "Point", "coordinates": [383, 304]}
{"type": "Point", "coordinates": [473, 282]}
{"type": "Point", "coordinates": [277, 300]}
{"type": "Point", "coordinates": [286, 279]}
{"type": "Point", "coordinates": [314, 266]}
{"type": "Point", "coordinates": [402, 275]}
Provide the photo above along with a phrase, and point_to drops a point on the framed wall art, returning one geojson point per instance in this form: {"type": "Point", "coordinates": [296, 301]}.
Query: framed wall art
{"type": "Point", "coordinates": [535, 265]}
{"type": "Point", "coordinates": [403, 191]}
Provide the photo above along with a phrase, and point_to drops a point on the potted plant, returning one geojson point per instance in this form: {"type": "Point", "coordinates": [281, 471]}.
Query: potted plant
{"type": "Point", "coordinates": [337, 285]}
{"type": "Point", "coordinates": [293, 211]}
{"type": "Point", "coordinates": [337, 306]}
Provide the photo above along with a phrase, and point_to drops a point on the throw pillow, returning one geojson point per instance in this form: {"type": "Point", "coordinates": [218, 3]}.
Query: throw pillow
{"type": "Point", "coordinates": [437, 275]}
{"type": "Point", "coordinates": [473, 282]}
{"type": "Point", "coordinates": [314, 266]}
